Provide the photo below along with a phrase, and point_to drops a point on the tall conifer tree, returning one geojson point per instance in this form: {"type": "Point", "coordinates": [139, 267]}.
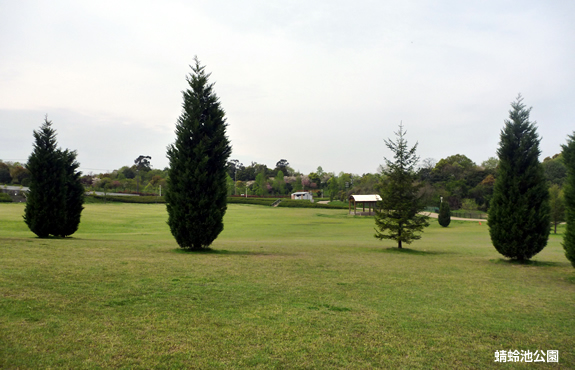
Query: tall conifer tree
{"type": "Point", "coordinates": [54, 200]}
{"type": "Point", "coordinates": [519, 222]}
{"type": "Point", "coordinates": [569, 191]}
{"type": "Point", "coordinates": [197, 190]}
{"type": "Point", "coordinates": [397, 216]}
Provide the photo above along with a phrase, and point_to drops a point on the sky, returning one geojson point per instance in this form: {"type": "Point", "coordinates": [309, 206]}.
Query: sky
{"type": "Point", "coordinates": [319, 83]}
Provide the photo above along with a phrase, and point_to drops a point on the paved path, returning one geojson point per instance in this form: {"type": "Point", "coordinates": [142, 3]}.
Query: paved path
{"type": "Point", "coordinates": [435, 215]}
{"type": "Point", "coordinates": [12, 187]}
{"type": "Point", "coordinates": [113, 194]}
{"type": "Point", "coordinates": [24, 188]}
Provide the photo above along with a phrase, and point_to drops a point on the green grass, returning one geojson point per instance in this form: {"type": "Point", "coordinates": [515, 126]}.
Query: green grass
{"type": "Point", "coordinates": [282, 287]}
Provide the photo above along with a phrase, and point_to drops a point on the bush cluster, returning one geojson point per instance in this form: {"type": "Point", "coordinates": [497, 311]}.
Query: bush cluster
{"type": "Point", "coordinates": [5, 198]}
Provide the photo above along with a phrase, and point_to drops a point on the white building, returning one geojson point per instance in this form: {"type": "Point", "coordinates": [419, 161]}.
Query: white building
{"type": "Point", "coordinates": [302, 195]}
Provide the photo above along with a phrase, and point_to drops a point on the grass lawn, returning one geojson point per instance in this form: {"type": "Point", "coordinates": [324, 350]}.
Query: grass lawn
{"type": "Point", "coordinates": [283, 287]}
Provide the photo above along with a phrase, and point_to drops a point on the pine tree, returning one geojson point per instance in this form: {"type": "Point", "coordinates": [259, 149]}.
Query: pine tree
{"type": "Point", "coordinates": [46, 198]}
{"type": "Point", "coordinates": [519, 222]}
{"type": "Point", "coordinates": [444, 216]}
{"type": "Point", "coordinates": [197, 190]}
{"type": "Point", "coordinates": [397, 216]}
{"type": "Point", "coordinates": [569, 191]}
{"type": "Point", "coordinates": [74, 194]}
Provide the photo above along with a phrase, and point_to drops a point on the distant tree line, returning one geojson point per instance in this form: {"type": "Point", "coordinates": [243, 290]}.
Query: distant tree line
{"type": "Point", "coordinates": [14, 173]}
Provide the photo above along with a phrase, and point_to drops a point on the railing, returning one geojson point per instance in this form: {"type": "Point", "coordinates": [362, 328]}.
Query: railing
{"type": "Point", "coordinates": [469, 214]}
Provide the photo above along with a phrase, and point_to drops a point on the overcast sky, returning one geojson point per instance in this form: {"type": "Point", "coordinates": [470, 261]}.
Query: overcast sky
{"type": "Point", "coordinates": [319, 83]}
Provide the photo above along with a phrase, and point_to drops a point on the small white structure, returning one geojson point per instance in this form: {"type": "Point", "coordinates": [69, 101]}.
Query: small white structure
{"type": "Point", "coordinates": [302, 195]}
{"type": "Point", "coordinates": [371, 201]}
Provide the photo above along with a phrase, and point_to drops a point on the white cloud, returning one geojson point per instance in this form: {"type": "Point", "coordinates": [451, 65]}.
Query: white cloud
{"type": "Point", "coordinates": [319, 83]}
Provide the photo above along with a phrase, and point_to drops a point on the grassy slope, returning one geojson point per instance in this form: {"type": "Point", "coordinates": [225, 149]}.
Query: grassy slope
{"type": "Point", "coordinates": [284, 287]}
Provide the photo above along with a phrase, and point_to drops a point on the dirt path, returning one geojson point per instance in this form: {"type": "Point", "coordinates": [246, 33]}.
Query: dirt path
{"type": "Point", "coordinates": [435, 215]}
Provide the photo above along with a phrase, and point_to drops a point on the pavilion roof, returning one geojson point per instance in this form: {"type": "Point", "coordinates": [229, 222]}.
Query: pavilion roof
{"type": "Point", "coordinates": [366, 198]}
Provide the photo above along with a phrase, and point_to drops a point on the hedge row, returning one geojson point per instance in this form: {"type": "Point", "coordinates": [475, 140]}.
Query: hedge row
{"type": "Point", "coordinates": [5, 198]}
{"type": "Point", "coordinates": [127, 199]}
{"type": "Point", "coordinates": [257, 201]}
{"type": "Point", "coordinates": [156, 199]}
{"type": "Point", "coordinates": [236, 200]}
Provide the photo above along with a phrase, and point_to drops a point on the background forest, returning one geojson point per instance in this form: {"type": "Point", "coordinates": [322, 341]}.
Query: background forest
{"type": "Point", "coordinates": [461, 182]}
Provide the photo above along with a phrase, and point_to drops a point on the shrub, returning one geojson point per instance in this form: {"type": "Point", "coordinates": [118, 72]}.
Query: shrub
{"type": "Point", "coordinates": [444, 217]}
{"type": "Point", "coordinates": [5, 198]}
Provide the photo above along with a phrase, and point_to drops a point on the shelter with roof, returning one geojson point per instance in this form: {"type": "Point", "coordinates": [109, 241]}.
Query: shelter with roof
{"type": "Point", "coordinates": [369, 200]}
{"type": "Point", "coordinates": [302, 195]}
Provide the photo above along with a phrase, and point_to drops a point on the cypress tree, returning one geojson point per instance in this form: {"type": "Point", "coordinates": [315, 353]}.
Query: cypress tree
{"type": "Point", "coordinates": [74, 194]}
{"type": "Point", "coordinates": [397, 215]}
{"type": "Point", "coordinates": [197, 191]}
{"type": "Point", "coordinates": [519, 222]}
{"type": "Point", "coordinates": [444, 216]}
{"type": "Point", "coordinates": [46, 198]}
{"type": "Point", "coordinates": [569, 191]}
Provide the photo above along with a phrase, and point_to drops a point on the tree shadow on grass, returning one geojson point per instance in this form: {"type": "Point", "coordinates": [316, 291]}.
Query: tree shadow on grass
{"type": "Point", "coordinates": [527, 263]}
{"type": "Point", "coordinates": [411, 251]}
{"type": "Point", "coordinates": [223, 252]}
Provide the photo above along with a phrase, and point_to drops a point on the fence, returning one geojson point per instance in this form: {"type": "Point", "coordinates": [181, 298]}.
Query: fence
{"type": "Point", "coordinates": [469, 214]}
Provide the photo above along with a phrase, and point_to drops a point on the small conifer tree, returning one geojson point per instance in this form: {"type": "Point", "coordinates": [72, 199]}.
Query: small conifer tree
{"type": "Point", "coordinates": [569, 191]}
{"type": "Point", "coordinates": [46, 198]}
{"type": "Point", "coordinates": [197, 190]}
{"type": "Point", "coordinates": [519, 222]}
{"type": "Point", "coordinates": [55, 196]}
{"type": "Point", "coordinates": [397, 215]}
{"type": "Point", "coordinates": [444, 216]}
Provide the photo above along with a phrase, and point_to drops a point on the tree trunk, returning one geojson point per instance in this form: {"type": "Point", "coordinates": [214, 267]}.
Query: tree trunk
{"type": "Point", "coordinates": [399, 244]}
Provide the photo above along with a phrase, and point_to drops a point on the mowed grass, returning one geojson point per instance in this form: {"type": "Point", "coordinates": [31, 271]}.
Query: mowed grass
{"type": "Point", "coordinates": [282, 288]}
